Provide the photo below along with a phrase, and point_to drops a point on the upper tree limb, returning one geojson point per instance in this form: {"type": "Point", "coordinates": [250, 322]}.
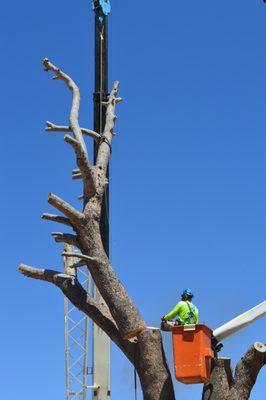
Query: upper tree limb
{"type": "Point", "coordinates": [74, 291]}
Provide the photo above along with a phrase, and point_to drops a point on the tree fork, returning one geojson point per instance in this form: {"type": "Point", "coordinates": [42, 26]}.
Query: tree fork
{"type": "Point", "coordinates": [247, 371]}
{"type": "Point", "coordinates": [223, 386]}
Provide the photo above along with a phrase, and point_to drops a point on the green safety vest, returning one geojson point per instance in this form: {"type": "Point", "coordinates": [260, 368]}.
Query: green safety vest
{"type": "Point", "coordinates": [186, 312]}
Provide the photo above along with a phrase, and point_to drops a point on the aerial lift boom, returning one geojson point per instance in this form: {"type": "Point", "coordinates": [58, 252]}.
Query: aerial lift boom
{"type": "Point", "coordinates": [240, 322]}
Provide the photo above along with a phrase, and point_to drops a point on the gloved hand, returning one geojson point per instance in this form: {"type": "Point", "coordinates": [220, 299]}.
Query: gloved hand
{"type": "Point", "coordinates": [163, 318]}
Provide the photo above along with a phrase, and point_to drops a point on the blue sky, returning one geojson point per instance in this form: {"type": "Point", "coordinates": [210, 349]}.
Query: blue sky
{"type": "Point", "coordinates": [188, 195]}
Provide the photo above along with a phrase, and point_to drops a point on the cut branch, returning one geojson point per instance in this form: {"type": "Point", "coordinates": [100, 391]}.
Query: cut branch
{"type": "Point", "coordinates": [73, 290]}
{"type": "Point", "coordinates": [247, 371]}
{"type": "Point", "coordinates": [47, 275]}
{"type": "Point", "coordinates": [78, 143]}
{"type": "Point", "coordinates": [76, 175]}
{"type": "Point", "coordinates": [50, 127]}
{"type": "Point", "coordinates": [79, 255]}
{"type": "Point", "coordinates": [223, 386]}
{"type": "Point", "coordinates": [104, 150]}
{"type": "Point", "coordinates": [61, 205]}
{"type": "Point", "coordinates": [57, 218]}
{"type": "Point", "coordinates": [65, 238]}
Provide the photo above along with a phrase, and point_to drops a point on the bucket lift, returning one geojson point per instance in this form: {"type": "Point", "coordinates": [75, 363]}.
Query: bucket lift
{"type": "Point", "coordinates": [192, 353]}
{"type": "Point", "coordinates": [193, 345]}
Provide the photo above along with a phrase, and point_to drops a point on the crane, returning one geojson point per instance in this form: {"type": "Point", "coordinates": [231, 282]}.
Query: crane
{"type": "Point", "coordinates": [81, 335]}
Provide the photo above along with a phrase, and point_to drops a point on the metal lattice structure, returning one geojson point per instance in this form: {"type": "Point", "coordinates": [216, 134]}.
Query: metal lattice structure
{"type": "Point", "coordinates": [81, 363]}
{"type": "Point", "coordinates": [76, 341]}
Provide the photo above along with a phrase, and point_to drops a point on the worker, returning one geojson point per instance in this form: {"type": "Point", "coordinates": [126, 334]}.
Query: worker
{"type": "Point", "coordinates": [185, 311]}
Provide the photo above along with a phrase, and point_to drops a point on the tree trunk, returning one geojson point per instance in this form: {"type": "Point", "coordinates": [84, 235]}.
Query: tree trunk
{"type": "Point", "coordinates": [121, 306]}
{"type": "Point", "coordinates": [247, 371]}
{"type": "Point", "coordinates": [223, 386]}
{"type": "Point", "coordinates": [152, 367]}
{"type": "Point", "coordinates": [221, 377]}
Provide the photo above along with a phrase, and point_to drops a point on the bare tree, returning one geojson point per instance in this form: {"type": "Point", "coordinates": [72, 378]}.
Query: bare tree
{"type": "Point", "coordinates": [118, 317]}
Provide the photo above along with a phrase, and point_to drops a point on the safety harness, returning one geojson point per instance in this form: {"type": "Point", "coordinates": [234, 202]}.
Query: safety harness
{"type": "Point", "coordinates": [191, 316]}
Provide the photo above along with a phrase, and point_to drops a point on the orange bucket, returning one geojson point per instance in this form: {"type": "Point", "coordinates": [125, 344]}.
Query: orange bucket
{"type": "Point", "coordinates": [192, 353]}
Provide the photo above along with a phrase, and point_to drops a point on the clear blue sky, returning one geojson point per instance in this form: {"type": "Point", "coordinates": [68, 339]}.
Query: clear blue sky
{"type": "Point", "coordinates": [188, 196]}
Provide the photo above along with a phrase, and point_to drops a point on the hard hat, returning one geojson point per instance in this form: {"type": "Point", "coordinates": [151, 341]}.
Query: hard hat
{"type": "Point", "coordinates": [187, 292]}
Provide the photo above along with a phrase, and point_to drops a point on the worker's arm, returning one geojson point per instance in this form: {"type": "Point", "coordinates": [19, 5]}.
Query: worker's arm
{"type": "Point", "coordinates": [173, 313]}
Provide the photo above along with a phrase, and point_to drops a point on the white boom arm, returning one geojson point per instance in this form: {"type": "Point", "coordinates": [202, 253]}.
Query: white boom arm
{"type": "Point", "coordinates": [240, 322]}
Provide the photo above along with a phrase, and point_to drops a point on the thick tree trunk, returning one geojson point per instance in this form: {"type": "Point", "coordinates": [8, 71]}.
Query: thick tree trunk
{"type": "Point", "coordinates": [247, 371]}
{"type": "Point", "coordinates": [223, 386]}
{"type": "Point", "coordinates": [221, 378]}
{"type": "Point", "coordinates": [152, 367]}
{"type": "Point", "coordinates": [120, 304]}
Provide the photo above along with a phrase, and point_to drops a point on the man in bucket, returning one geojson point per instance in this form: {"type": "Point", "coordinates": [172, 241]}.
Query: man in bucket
{"type": "Point", "coordinates": [185, 312]}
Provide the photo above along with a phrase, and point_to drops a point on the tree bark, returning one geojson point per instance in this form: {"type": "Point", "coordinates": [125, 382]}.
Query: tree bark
{"type": "Point", "coordinates": [247, 371]}
{"type": "Point", "coordinates": [223, 386]}
{"type": "Point", "coordinates": [152, 367]}
{"type": "Point", "coordinates": [113, 292]}
{"type": "Point", "coordinates": [221, 378]}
